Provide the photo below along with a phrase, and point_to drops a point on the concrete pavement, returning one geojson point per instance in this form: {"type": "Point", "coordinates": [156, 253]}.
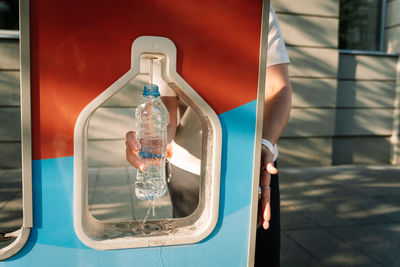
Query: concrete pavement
{"type": "Point", "coordinates": [340, 216]}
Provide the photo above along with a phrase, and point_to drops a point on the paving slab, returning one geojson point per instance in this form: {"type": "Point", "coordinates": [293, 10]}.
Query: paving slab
{"type": "Point", "coordinates": [322, 215]}
{"type": "Point", "coordinates": [353, 214]}
{"type": "Point", "coordinates": [328, 249]}
{"type": "Point", "coordinates": [111, 200]}
{"type": "Point", "coordinates": [11, 214]}
{"type": "Point", "coordinates": [293, 253]}
{"type": "Point", "coordinates": [372, 240]}
{"type": "Point", "coordinates": [292, 220]}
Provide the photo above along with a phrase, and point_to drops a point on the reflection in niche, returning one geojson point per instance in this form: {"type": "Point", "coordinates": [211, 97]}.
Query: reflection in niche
{"type": "Point", "coordinates": [111, 193]}
{"type": "Point", "coordinates": [10, 151]}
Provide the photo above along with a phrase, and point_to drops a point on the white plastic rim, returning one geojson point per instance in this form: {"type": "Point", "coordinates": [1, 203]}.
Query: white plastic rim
{"type": "Point", "coordinates": [206, 222]}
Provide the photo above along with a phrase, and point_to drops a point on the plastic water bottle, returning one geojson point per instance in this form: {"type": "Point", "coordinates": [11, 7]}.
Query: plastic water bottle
{"type": "Point", "coordinates": [151, 131]}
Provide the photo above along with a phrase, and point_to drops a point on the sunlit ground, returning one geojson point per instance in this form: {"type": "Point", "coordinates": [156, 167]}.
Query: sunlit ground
{"type": "Point", "coordinates": [340, 216]}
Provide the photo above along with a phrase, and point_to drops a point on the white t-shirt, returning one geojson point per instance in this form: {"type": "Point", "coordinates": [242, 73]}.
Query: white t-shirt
{"type": "Point", "coordinates": [277, 53]}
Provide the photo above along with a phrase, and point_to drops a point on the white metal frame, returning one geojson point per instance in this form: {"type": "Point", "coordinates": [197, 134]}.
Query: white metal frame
{"type": "Point", "coordinates": [186, 230]}
{"type": "Point", "coordinates": [262, 75]}
{"type": "Point", "coordinates": [22, 234]}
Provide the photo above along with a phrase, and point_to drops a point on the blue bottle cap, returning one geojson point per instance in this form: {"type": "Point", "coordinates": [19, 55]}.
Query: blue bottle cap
{"type": "Point", "coordinates": [151, 90]}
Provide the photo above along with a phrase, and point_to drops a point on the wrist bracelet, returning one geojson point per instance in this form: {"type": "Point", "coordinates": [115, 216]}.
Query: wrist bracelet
{"type": "Point", "coordinates": [273, 149]}
{"type": "Point", "coordinates": [268, 145]}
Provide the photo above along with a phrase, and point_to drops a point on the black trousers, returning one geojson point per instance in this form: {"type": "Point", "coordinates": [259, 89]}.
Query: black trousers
{"type": "Point", "coordinates": [185, 196]}
{"type": "Point", "coordinates": [268, 242]}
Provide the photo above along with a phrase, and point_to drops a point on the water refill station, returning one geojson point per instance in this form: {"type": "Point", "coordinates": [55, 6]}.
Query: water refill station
{"type": "Point", "coordinates": [83, 68]}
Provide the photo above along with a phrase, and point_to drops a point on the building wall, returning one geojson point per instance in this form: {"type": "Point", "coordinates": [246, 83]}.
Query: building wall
{"type": "Point", "coordinates": [343, 103]}
{"type": "Point", "coordinates": [110, 123]}
{"type": "Point", "coordinates": [307, 27]}
{"type": "Point", "coordinates": [392, 33]}
{"type": "Point", "coordinates": [10, 121]}
{"type": "Point", "coordinates": [364, 109]}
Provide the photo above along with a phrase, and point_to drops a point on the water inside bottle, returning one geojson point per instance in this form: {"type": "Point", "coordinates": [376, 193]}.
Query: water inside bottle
{"type": "Point", "coordinates": [150, 183]}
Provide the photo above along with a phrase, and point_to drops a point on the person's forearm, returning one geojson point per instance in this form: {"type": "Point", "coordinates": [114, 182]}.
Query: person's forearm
{"type": "Point", "coordinates": [171, 131]}
{"type": "Point", "coordinates": [278, 102]}
{"type": "Point", "coordinates": [171, 103]}
{"type": "Point", "coordinates": [276, 115]}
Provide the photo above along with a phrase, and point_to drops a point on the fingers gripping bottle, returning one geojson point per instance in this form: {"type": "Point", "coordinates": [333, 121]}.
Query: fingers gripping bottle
{"type": "Point", "coordinates": [151, 131]}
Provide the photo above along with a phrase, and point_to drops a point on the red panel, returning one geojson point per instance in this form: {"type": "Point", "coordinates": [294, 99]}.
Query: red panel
{"type": "Point", "coordinates": [79, 48]}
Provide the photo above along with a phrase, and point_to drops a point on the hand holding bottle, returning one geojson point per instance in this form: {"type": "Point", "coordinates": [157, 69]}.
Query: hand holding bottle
{"type": "Point", "coordinates": [132, 151]}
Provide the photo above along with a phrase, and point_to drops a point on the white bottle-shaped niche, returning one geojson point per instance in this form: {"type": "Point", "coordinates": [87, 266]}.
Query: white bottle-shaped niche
{"type": "Point", "coordinates": [95, 233]}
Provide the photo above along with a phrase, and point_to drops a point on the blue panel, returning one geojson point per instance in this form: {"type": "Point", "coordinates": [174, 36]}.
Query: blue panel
{"type": "Point", "coordinates": [53, 241]}
{"type": "Point", "coordinates": [238, 129]}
